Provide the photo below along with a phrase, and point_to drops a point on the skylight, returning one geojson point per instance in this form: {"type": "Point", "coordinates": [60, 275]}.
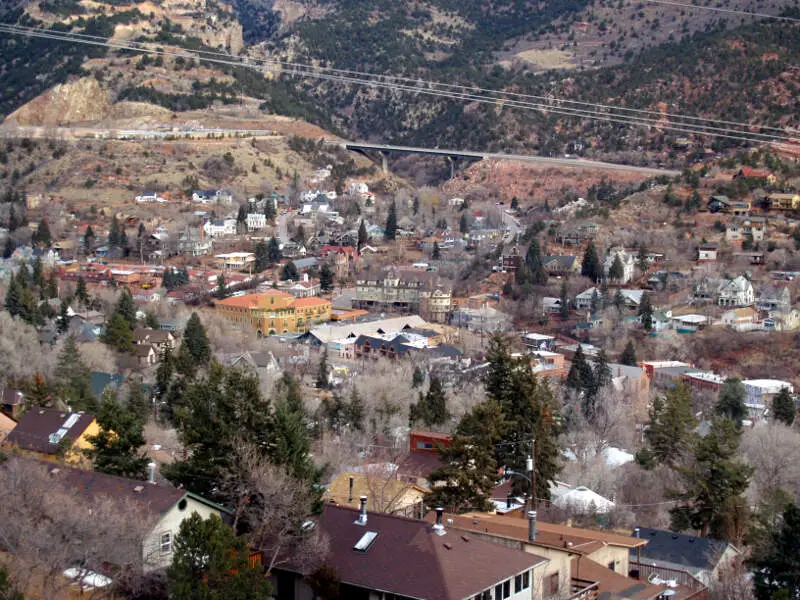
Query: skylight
{"type": "Point", "coordinates": [366, 541]}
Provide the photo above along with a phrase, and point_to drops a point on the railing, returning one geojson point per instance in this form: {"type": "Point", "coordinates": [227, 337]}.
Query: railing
{"type": "Point", "coordinates": [682, 577]}
{"type": "Point", "coordinates": [583, 589]}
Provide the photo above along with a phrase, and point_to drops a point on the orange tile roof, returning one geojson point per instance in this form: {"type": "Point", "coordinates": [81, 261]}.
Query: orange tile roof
{"type": "Point", "coordinates": [308, 302]}
{"type": "Point", "coordinates": [248, 301]}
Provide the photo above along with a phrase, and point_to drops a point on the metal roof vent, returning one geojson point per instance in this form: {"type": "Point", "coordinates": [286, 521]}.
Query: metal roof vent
{"type": "Point", "coordinates": [366, 541]}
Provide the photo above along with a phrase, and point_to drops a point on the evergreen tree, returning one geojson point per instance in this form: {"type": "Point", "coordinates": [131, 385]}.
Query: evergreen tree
{"type": "Point", "coordinates": [602, 372]}
{"type": "Point", "coordinates": [38, 273]}
{"type": "Point", "coordinates": [74, 378]}
{"type": "Point", "coordinates": [590, 267]}
{"type": "Point", "coordinates": [776, 571]}
{"type": "Point", "coordinates": [222, 288]}
{"type": "Point", "coordinates": [9, 247]}
{"type": "Point", "coordinates": [13, 300]}
{"type": "Point", "coordinates": [641, 259]}
{"type": "Point", "coordinates": [41, 236]}
{"type": "Point", "coordinates": [528, 408]}
{"type": "Point", "coordinates": [274, 250]}
{"type": "Point", "coordinates": [289, 272]}
{"type": "Point", "coordinates": [356, 411]}
{"type": "Point", "coordinates": [580, 376]}
{"type": "Point", "coordinates": [467, 479]}
{"type": "Point", "coordinates": [82, 293]}
{"type": "Point", "coordinates": [669, 433]}
{"type": "Point", "coordinates": [164, 371]}
{"type": "Point", "coordinates": [137, 401]}
{"type": "Point", "coordinates": [210, 563]}
{"type": "Point", "coordinates": [363, 236]}
{"type": "Point", "coordinates": [126, 308]}
{"type": "Point", "coordinates": [269, 209]}
{"type": "Point", "coordinates": [323, 373]}
{"type": "Point", "coordinates": [646, 312]}
{"type": "Point", "coordinates": [88, 238]}
{"type": "Point", "coordinates": [564, 299]}
{"type": "Point", "coordinates": [390, 232]}
{"type": "Point", "coordinates": [262, 257]}
{"type": "Point", "coordinates": [730, 403]}
{"type": "Point", "coordinates": [415, 205]}
{"type": "Point", "coordinates": [628, 356]}
{"type": "Point", "coordinates": [783, 407]}
{"type": "Point", "coordinates": [196, 341]}
{"type": "Point", "coordinates": [39, 393]}
{"type": "Point", "coordinates": [617, 271]}
{"type": "Point", "coordinates": [289, 429]}
{"type": "Point", "coordinates": [418, 377]}
{"type": "Point", "coordinates": [51, 288]}
{"type": "Point", "coordinates": [8, 591]}
{"type": "Point", "coordinates": [463, 223]}
{"type": "Point", "coordinates": [437, 253]}
{"type": "Point", "coordinates": [712, 482]}
{"type": "Point", "coordinates": [534, 261]}
{"type": "Point", "coordinates": [431, 409]}
{"type": "Point", "coordinates": [118, 334]}
{"type": "Point", "coordinates": [151, 320]}
{"type": "Point", "coordinates": [326, 278]}
{"type": "Point", "coordinates": [114, 233]}
{"type": "Point", "coordinates": [62, 322]}
{"type": "Point", "coordinates": [117, 448]}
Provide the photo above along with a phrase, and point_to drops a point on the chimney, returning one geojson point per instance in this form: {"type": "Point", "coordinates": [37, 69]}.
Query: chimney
{"type": "Point", "coordinates": [508, 501]}
{"type": "Point", "coordinates": [438, 527]}
{"type": "Point", "coordinates": [350, 496]}
{"type": "Point", "coordinates": [151, 472]}
{"type": "Point", "coordinates": [362, 516]}
{"type": "Point", "coordinates": [531, 525]}
{"type": "Point", "coordinates": [636, 532]}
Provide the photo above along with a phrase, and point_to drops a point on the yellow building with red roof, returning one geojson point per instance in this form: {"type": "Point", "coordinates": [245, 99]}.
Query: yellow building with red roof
{"type": "Point", "coordinates": [273, 312]}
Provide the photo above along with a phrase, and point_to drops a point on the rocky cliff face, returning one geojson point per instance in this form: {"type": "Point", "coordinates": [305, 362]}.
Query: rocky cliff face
{"type": "Point", "coordinates": [73, 102]}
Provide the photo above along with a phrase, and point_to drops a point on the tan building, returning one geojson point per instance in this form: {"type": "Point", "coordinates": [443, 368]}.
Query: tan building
{"type": "Point", "coordinates": [783, 201]}
{"type": "Point", "coordinates": [386, 494]}
{"type": "Point", "coordinates": [405, 292]}
{"type": "Point", "coordinates": [274, 312]}
{"type": "Point", "coordinates": [51, 434]}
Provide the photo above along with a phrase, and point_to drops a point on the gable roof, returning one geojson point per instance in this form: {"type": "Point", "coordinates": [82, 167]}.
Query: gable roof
{"type": "Point", "coordinates": [34, 430]}
{"type": "Point", "coordinates": [409, 559]}
{"type": "Point", "coordinates": [683, 550]}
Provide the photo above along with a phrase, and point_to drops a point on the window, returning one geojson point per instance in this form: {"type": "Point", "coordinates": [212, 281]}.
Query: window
{"type": "Point", "coordinates": [498, 591]}
{"type": "Point", "coordinates": [553, 583]}
{"type": "Point", "coordinates": [611, 566]}
{"type": "Point", "coordinates": [526, 580]}
{"type": "Point", "coordinates": [502, 590]}
{"type": "Point", "coordinates": [517, 584]}
{"type": "Point", "coordinates": [506, 588]}
{"type": "Point", "coordinates": [166, 543]}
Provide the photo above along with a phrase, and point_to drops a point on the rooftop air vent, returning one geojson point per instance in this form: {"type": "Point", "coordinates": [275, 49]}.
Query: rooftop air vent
{"type": "Point", "coordinates": [366, 541]}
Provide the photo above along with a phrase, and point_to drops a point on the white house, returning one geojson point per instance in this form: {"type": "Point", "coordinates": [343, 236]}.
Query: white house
{"type": "Point", "coordinates": [224, 197]}
{"type": "Point", "coordinates": [455, 202]}
{"type": "Point", "coordinates": [736, 292]}
{"type": "Point", "coordinates": [760, 392]}
{"type": "Point", "coordinates": [357, 188]}
{"type": "Point", "coordinates": [220, 227]}
{"type": "Point", "coordinates": [584, 300]}
{"type": "Point", "coordinates": [150, 197]}
{"type": "Point", "coordinates": [256, 221]}
{"type": "Point", "coordinates": [628, 264]}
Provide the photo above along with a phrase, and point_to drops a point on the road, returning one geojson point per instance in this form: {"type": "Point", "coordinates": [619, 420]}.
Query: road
{"type": "Point", "coordinates": [283, 227]}
{"type": "Point", "coordinates": [166, 132]}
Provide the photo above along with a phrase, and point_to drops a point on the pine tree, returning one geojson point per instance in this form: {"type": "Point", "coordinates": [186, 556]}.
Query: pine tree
{"type": "Point", "coordinates": [712, 482]}
{"type": "Point", "coordinates": [730, 403]}
{"type": "Point", "coordinates": [323, 372]}
{"type": "Point", "coordinates": [41, 236]}
{"type": "Point", "coordinates": [13, 300]}
{"type": "Point", "coordinates": [114, 233]}
{"type": "Point", "coordinates": [356, 410]}
{"type": "Point", "coordinates": [390, 232]}
{"type": "Point", "coordinates": [88, 238]}
{"type": "Point", "coordinates": [117, 448]}
{"type": "Point", "coordinates": [274, 250]}
{"type": "Point", "coordinates": [776, 571]}
{"type": "Point", "coordinates": [431, 409]}
{"type": "Point", "coordinates": [8, 591]}
{"type": "Point", "coordinates": [289, 272]}
{"type": "Point", "coordinates": [38, 393]}
{"type": "Point", "coordinates": [417, 378]}
{"type": "Point", "coordinates": [646, 312]}
{"type": "Point", "coordinates": [196, 341]}
{"type": "Point", "coordinates": [81, 293]}
{"type": "Point", "coordinates": [363, 236]}
{"type": "Point", "coordinates": [9, 247]}
{"type": "Point", "coordinates": [534, 261]}
{"type": "Point", "coordinates": [783, 407]}
{"type": "Point", "coordinates": [222, 288]}
{"type": "Point", "coordinates": [617, 271]}
{"type": "Point", "coordinates": [269, 209]}
{"type": "Point", "coordinates": [628, 356]}
{"type": "Point", "coordinates": [641, 259]}
{"type": "Point", "coordinates": [669, 433]}
{"type": "Point", "coordinates": [590, 267]}
{"type": "Point", "coordinates": [467, 479]}
{"type": "Point", "coordinates": [151, 320]}
{"type": "Point", "coordinates": [137, 402]}
{"type": "Point", "coordinates": [564, 300]}
{"type": "Point", "coordinates": [262, 257]}
{"type": "Point", "coordinates": [290, 439]}
{"type": "Point", "coordinates": [463, 223]}
{"type": "Point", "coordinates": [126, 308]}
{"type": "Point", "coordinates": [210, 563]}
{"type": "Point", "coordinates": [62, 322]}
{"type": "Point", "coordinates": [38, 273]}
{"type": "Point", "coordinates": [51, 288]}
{"type": "Point", "coordinates": [118, 334]}
{"type": "Point", "coordinates": [74, 378]}
{"type": "Point", "coordinates": [436, 254]}
{"type": "Point", "coordinates": [326, 278]}
{"type": "Point", "coordinates": [580, 376]}
{"type": "Point", "coordinates": [602, 372]}
{"type": "Point", "coordinates": [164, 371]}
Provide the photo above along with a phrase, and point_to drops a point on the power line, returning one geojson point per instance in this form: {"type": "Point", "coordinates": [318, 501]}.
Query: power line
{"type": "Point", "coordinates": [315, 72]}
{"type": "Point", "coordinates": [727, 10]}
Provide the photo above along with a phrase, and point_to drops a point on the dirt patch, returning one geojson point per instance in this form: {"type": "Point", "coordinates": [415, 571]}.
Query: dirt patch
{"type": "Point", "coordinates": [81, 100]}
{"type": "Point", "coordinates": [548, 59]}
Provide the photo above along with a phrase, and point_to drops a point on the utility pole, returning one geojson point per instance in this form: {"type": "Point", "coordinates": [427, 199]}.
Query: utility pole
{"type": "Point", "coordinates": [531, 464]}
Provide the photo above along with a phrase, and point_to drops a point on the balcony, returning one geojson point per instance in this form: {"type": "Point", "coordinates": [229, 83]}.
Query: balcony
{"type": "Point", "coordinates": [583, 589]}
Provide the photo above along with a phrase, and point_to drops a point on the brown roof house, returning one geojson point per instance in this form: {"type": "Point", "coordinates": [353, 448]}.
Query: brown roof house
{"type": "Point", "coordinates": [158, 338]}
{"type": "Point", "coordinates": [163, 505]}
{"type": "Point", "coordinates": [385, 556]}
{"type": "Point", "coordinates": [49, 433]}
{"type": "Point", "coordinates": [583, 563]}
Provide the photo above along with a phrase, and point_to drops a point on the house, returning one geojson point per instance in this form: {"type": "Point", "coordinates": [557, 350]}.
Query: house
{"type": "Point", "coordinates": [160, 339]}
{"type": "Point", "coordinates": [588, 299]}
{"type": "Point", "coordinates": [580, 560]}
{"type": "Point", "coordinates": [455, 202]}
{"type": "Point", "coordinates": [557, 265]}
{"type": "Point", "coordinates": [12, 402]}
{"type": "Point", "coordinates": [551, 305]}
{"type": "Point", "coordinates": [765, 177]}
{"type": "Point", "coordinates": [47, 432]}
{"type": "Point", "coordinates": [235, 261]}
{"type": "Point", "coordinates": [511, 259]}
{"type": "Point", "coordinates": [538, 341]}
{"type": "Point", "coordinates": [259, 363]}
{"type": "Point", "coordinates": [357, 188]}
{"type": "Point", "coordinates": [384, 556]}
{"type": "Point", "coordinates": [761, 392]}
{"type": "Point", "coordinates": [707, 252]}
{"type": "Point", "coordinates": [741, 319]}
{"type": "Point", "coordinates": [736, 292]}
{"type": "Point", "coordinates": [149, 196]}
{"type": "Point", "coordinates": [726, 205]}
{"type": "Point", "coordinates": [192, 242]}
{"type": "Point", "coordinates": [386, 493]}
{"type": "Point", "coordinates": [220, 227]}
{"type": "Point", "coordinates": [753, 229]}
{"type": "Point", "coordinates": [145, 355]}
{"type": "Point", "coordinates": [256, 221]}
{"type": "Point", "coordinates": [628, 261]}
{"type": "Point", "coordinates": [783, 201]}
{"type": "Point", "coordinates": [224, 197]}
{"type": "Point", "coordinates": [701, 557]}
{"type": "Point", "coordinates": [582, 500]}
{"type": "Point", "coordinates": [163, 506]}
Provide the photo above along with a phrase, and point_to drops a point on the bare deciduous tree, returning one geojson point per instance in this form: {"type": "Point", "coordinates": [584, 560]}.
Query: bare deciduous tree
{"type": "Point", "coordinates": [773, 450]}
{"type": "Point", "coordinates": [21, 355]}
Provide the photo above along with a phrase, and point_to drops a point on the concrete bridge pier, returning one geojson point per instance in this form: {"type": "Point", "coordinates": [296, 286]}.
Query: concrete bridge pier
{"type": "Point", "coordinates": [384, 162]}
